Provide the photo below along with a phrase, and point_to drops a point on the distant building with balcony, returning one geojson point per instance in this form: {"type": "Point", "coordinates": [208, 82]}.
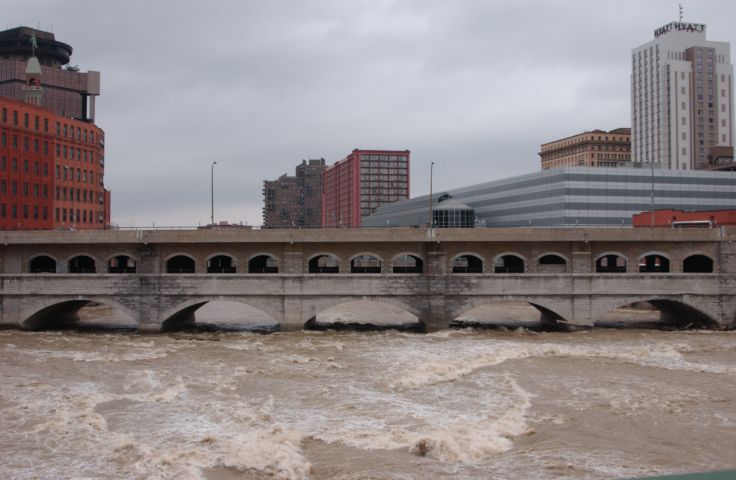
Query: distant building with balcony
{"type": "Point", "coordinates": [597, 148]}
{"type": "Point", "coordinates": [295, 202]}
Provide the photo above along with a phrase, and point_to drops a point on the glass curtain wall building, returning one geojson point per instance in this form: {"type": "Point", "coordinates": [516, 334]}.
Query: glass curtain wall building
{"type": "Point", "coordinates": [573, 196]}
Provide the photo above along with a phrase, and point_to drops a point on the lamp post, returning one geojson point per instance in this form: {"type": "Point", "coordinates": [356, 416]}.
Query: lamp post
{"type": "Point", "coordinates": [431, 207]}
{"type": "Point", "coordinates": [212, 193]}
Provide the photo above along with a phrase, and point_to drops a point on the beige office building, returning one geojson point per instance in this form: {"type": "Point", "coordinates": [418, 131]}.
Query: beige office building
{"type": "Point", "coordinates": [597, 148]}
{"type": "Point", "coordinates": [681, 98]}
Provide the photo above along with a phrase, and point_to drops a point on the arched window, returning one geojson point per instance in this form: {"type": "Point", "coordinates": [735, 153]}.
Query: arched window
{"type": "Point", "coordinates": [508, 264]}
{"type": "Point", "coordinates": [697, 264]}
{"type": "Point", "coordinates": [263, 264]}
{"type": "Point", "coordinates": [324, 264]}
{"type": "Point", "coordinates": [552, 259]}
{"type": "Point", "coordinates": [407, 263]}
{"type": "Point", "coordinates": [180, 264]}
{"type": "Point", "coordinates": [610, 263]}
{"type": "Point", "coordinates": [121, 264]}
{"type": "Point", "coordinates": [82, 264]}
{"type": "Point", "coordinates": [654, 264]}
{"type": "Point", "coordinates": [43, 264]}
{"type": "Point", "coordinates": [365, 264]}
{"type": "Point", "coordinates": [552, 263]}
{"type": "Point", "coordinates": [220, 264]}
{"type": "Point", "coordinates": [467, 264]}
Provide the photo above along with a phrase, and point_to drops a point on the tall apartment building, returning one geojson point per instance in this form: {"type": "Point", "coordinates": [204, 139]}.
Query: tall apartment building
{"type": "Point", "coordinates": [51, 165]}
{"type": "Point", "coordinates": [361, 182]}
{"type": "Point", "coordinates": [589, 149]}
{"type": "Point", "coordinates": [681, 98]}
{"type": "Point", "coordinates": [295, 202]}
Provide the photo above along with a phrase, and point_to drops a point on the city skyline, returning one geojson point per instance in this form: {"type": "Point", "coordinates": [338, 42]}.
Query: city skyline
{"type": "Point", "coordinates": [475, 87]}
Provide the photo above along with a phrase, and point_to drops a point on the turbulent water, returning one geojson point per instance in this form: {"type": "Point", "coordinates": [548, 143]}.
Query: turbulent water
{"type": "Point", "coordinates": [385, 405]}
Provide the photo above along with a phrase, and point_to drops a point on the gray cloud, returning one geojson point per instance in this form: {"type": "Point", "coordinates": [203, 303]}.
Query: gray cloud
{"type": "Point", "coordinates": [475, 86]}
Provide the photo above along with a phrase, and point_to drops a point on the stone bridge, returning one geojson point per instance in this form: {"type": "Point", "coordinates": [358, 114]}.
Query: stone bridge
{"type": "Point", "coordinates": [575, 276]}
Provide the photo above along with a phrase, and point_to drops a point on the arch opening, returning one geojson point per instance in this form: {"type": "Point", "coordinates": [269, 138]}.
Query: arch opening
{"type": "Point", "coordinates": [325, 263]}
{"type": "Point", "coordinates": [610, 263]}
{"type": "Point", "coordinates": [83, 315]}
{"type": "Point", "coordinates": [662, 314]}
{"type": "Point", "coordinates": [551, 263]}
{"type": "Point", "coordinates": [407, 263]}
{"type": "Point", "coordinates": [180, 264]}
{"type": "Point", "coordinates": [365, 315]}
{"type": "Point", "coordinates": [121, 264]}
{"type": "Point", "coordinates": [42, 264]}
{"type": "Point", "coordinates": [509, 314]}
{"type": "Point", "coordinates": [697, 264]}
{"type": "Point", "coordinates": [221, 264]}
{"type": "Point", "coordinates": [263, 264]}
{"type": "Point", "coordinates": [221, 316]}
{"type": "Point", "coordinates": [654, 264]}
{"type": "Point", "coordinates": [82, 264]}
{"type": "Point", "coordinates": [467, 264]}
{"type": "Point", "coordinates": [508, 264]}
{"type": "Point", "coordinates": [365, 263]}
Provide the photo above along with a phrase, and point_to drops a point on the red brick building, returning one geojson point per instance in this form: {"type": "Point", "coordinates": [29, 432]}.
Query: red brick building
{"type": "Point", "coordinates": [361, 182]}
{"type": "Point", "coordinates": [51, 170]}
{"type": "Point", "coordinates": [680, 218]}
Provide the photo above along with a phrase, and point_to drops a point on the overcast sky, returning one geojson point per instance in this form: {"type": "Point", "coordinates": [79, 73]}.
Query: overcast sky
{"type": "Point", "coordinates": [473, 85]}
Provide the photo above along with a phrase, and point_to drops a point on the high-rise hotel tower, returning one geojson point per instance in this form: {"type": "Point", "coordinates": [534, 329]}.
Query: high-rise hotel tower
{"type": "Point", "coordinates": [681, 98]}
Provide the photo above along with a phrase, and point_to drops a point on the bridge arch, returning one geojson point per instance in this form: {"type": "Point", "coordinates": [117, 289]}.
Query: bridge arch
{"type": "Point", "coordinates": [407, 262]}
{"type": "Point", "coordinates": [42, 263]}
{"type": "Point", "coordinates": [121, 262]}
{"type": "Point", "coordinates": [221, 262]}
{"type": "Point", "coordinates": [654, 262]}
{"type": "Point", "coordinates": [509, 262]}
{"type": "Point", "coordinates": [182, 314]}
{"type": "Point", "coordinates": [61, 312]}
{"type": "Point", "coordinates": [324, 262]}
{"type": "Point", "coordinates": [611, 262]}
{"type": "Point", "coordinates": [82, 263]}
{"type": "Point", "coordinates": [698, 262]}
{"type": "Point", "coordinates": [552, 262]}
{"type": "Point", "coordinates": [550, 311]}
{"type": "Point", "coordinates": [366, 262]}
{"type": "Point", "coordinates": [467, 262]}
{"type": "Point", "coordinates": [180, 262]}
{"type": "Point", "coordinates": [674, 310]}
{"type": "Point", "coordinates": [263, 262]}
{"type": "Point", "coordinates": [309, 316]}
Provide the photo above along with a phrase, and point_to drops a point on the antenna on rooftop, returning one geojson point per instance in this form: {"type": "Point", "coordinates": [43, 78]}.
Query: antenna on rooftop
{"type": "Point", "coordinates": [682, 11]}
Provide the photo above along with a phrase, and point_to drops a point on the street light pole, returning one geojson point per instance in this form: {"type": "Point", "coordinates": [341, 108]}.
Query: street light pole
{"type": "Point", "coordinates": [431, 207]}
{"type": "Point", "coordinates": [212, 193]}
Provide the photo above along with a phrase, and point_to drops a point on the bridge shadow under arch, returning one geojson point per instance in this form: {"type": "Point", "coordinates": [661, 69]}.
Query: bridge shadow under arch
{"type": "Point", "coordinates": [82, 314]}
{"type": "Point", "coordinates": [509, 314]}
{"type": "Point", "coordinates": [661, 313]}
{"type": "Point", "coordinates": [220, 315]}
{"type": "Point", "coordinates": [366, 315]}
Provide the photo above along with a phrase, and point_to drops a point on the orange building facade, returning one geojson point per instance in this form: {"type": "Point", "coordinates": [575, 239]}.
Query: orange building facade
{"type": "Point", "coordinates": [357, 185]}
{"type": "Point", "coordinates": [684, 219]}
{"type": "Point", "coordinates": [51, 170]}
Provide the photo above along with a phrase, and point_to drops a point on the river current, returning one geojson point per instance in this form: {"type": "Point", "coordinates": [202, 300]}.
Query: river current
{"type": "Point", "coordinates": [471, 404]}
